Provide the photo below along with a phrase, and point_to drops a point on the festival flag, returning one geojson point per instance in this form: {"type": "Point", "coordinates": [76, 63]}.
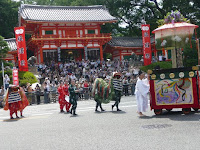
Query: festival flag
{"type": "Point", "coordinates": [21, 48]}
{"type": "Point", "coordinates": [147, 56]}
{"type": "Point", "coordinates": [15, 77]}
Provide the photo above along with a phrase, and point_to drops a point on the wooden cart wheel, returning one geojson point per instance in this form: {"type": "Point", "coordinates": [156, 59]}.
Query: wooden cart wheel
{"type": "Point", "coordinates": [169, 110]}
{"type": "Point", "coordinates": [158, 111]}
{"type": "Point", "coordinates": [195, 109]}
{"type": "Point", "coordinates": [186, 110]}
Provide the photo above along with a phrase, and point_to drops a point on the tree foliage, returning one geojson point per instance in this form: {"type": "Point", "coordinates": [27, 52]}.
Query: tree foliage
{"type": "Point", "coordinates": [3, 48]}
{"type": "Point", "coordinates": [190, 56]}
{"type": "Point", "coordinates": [8, 17]}
{"type": "Point", "coordinates": [130, 13]}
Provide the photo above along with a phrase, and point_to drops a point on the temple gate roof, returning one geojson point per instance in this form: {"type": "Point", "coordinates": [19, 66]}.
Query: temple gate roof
{"type": "Point", "coordinates": [43, 13]}
{"type": "Point", "coordinates": [11, 44]}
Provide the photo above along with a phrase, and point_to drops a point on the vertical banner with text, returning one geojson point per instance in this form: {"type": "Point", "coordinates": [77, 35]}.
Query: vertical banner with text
{"type": "Point", "coordinates": [59, 54]}
{"type": "Point", "coordinates": [15, 77]}
{"type": "Point", "coordinates": [21, 48]}
{"type": "Point", "coordinates": [147, 56]}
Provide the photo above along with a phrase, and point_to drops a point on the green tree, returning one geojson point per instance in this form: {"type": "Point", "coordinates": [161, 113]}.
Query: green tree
{"type": "Point", "coordinates": [8, 17]}
{"type": "Point", "coordinates": [3, 48]}
{"type": "Point", "coordinates": [132, 12]}
{"type": "Point", "coordinates": [190, 56]}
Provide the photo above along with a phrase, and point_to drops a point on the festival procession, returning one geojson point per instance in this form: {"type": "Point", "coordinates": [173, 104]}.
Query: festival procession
{"type": "Point", "coordinates": [97, 68]}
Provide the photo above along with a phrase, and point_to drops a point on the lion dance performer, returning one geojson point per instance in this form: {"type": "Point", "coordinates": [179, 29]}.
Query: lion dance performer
{"type": "Point", "coordinates": [117, 84]}
{"type": "Point", "coordinates": [61, 97]}
{"type": "Point", "coordinates": [102, 92]}
{"type": "Point", "coordinates": [15, 100]}
{"type": "Point", "coordinates": [66, 93]}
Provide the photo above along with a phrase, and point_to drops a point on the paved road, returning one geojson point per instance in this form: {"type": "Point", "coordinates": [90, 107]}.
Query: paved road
{"type": "Point", "coordinates": [44, 128]}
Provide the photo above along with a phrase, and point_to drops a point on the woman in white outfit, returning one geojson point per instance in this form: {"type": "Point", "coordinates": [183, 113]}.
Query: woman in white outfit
{"type": "Point", "coordinates": [141, 91]}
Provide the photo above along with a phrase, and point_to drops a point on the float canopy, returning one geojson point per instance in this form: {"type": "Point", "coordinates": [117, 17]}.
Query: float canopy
{"type": "Point", "coordinates": [175, 25]}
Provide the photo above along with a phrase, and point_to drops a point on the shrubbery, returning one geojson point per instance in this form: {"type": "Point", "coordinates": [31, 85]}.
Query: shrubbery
{"type": "Point", "coordinates": [24, 77]}
{"type": "Point", "coordinates": [162, 64]}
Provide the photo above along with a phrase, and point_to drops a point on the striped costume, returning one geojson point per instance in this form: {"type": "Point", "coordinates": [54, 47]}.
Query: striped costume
{"type": "Point", "coordinates": [15, 100]}
{"type": "Point", "coordinates": [117, 84]}
{"type": "Point", "coordinates": [14, 97]}
{"type": "Point", "coordinates": [118, 87]}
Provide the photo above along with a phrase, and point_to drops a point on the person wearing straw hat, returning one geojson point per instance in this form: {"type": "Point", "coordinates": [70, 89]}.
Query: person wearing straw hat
{"type": "Point", "coordinates": [141, 91]}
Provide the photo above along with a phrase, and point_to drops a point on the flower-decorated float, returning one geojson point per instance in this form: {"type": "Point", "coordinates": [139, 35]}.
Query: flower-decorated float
{"type": "Point", "coordinates": [176, 87]}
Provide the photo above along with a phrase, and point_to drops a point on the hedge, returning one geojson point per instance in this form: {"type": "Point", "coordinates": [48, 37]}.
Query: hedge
{"type": "Point", "coordinates": [162, 64]}
{"type": "Point", "coordinates": [24, 77]}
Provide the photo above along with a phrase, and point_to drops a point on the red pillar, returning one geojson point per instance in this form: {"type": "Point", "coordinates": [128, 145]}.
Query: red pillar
{"type": "Point", "coordinates": [120, 55]}
{"type": "Point", "coordinates": [101, 53]}
{"type": "Point", "coordinates": [41, 55]}
{"type": "Point", "coordinates": [15, 57]}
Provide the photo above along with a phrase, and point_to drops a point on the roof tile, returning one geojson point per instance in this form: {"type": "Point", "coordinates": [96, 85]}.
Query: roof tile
{"type": "Point", "coordinates": [96, 13]}
{"type": "Point", "coordinates": [127, 41]}
{"type": "Point", "coordinates": [11, 44]}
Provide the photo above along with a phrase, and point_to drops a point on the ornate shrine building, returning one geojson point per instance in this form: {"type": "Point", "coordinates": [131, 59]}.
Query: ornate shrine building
{"type": "Point", "coordinates": [65, 32]}
{"type": "Point", "coordinates": [123, 47]}
{"type": "Point", "coordinates": [12, 53]}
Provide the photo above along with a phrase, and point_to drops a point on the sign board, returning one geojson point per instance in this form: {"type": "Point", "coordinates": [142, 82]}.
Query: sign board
{"type": "Point", "coordinates": [59, 56]}
{"type": "Point", "coordinates": [15, 77]}
{"type": "Point", "coordinates": [21, 48]}
{"type": "Point", "coordinates": [146, 44]}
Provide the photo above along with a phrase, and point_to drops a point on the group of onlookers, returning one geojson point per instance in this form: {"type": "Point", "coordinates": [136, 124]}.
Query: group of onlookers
{"type": "Point", "coordinates": [87, 71]}
{"type": "Point", "coordinates": [83, 72]}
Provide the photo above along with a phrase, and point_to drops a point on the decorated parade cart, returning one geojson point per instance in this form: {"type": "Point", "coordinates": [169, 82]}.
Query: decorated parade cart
{"type": "Point", "coordinates": [176, 87]}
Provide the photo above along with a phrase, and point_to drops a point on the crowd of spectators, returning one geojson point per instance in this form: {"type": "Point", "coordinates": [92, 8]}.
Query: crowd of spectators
{"type": "Point", "coordinates": [85, 72]}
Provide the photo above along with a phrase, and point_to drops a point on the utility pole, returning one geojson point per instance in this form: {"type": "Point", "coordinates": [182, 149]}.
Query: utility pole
{"type": "Point", "coordinates": [198, 51]}
{"type": "Point", "coordinates": [3, 77]}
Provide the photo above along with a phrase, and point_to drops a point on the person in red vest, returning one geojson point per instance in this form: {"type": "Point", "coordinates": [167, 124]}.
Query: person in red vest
{"type": "Point", "coordinates": [61, 97]}
{"type": "Point", "coordinates": [85, 85]}
{"type": "Point", "coordinates": [66, 93]}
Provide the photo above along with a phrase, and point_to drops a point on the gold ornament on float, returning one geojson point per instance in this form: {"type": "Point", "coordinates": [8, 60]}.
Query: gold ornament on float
{"type": "Point", "coordinates": [153, 76]}
{"type": "Point", "coordinates": [181, 74]}
{"type": "Point", "coordinates": [162, 76]}
{"type": "Point", "coordinates": [171, 75]}
{"type": "Point", "coordinates": [191, 74]}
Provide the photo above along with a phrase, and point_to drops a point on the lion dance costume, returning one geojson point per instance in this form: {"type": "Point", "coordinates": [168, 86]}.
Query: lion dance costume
{"type": "Point", "coordinates": [15, 100]}
{"type": "Point", "coordinates": [104, 92]}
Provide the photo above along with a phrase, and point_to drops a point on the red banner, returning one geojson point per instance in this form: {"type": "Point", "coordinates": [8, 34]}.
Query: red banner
{"type": "Point", "coordinates": [21, 48]}
{"type": "Point", "coordinates": [15, 77]}
{"type": "Point", "coordinates": [147, 56]}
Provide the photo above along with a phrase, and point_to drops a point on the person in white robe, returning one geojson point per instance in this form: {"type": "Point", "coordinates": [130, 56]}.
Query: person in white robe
{"type": "Point", "coordinates": [141, 92]}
